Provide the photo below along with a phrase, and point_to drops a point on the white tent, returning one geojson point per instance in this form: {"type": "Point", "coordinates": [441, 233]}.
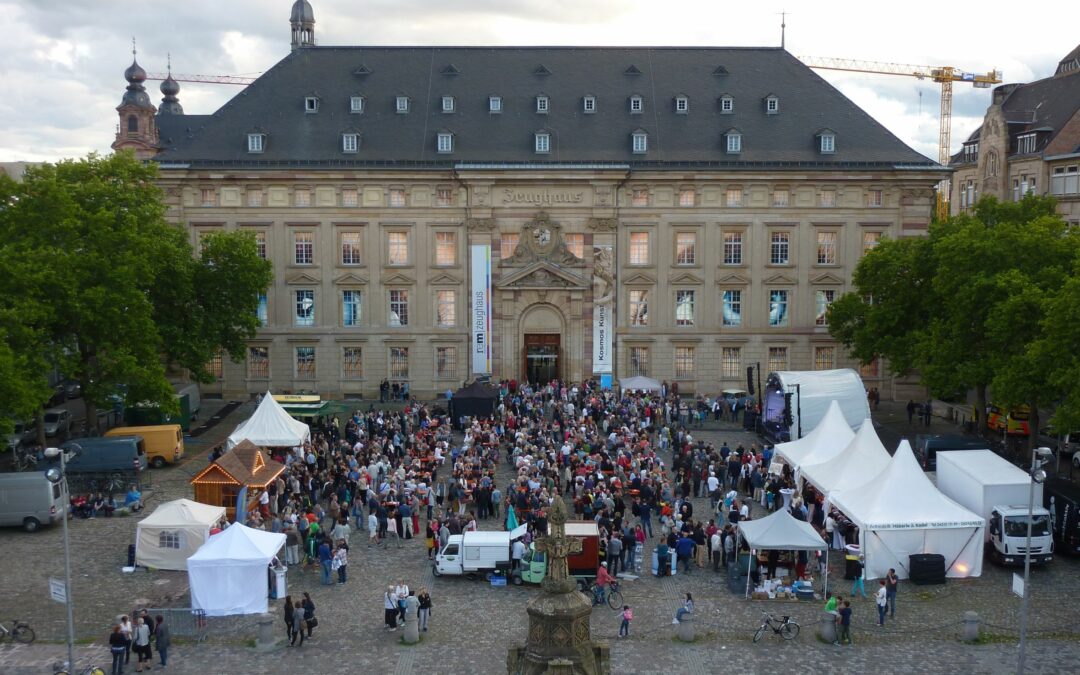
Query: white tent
{"type": "Point", "coordinates": [811, 400]}
{"type": "Point", "coordinates": [168, 536]}
{"type": "Point", "coordinates": [863, 459]}
{"type": "Point", "coordinates": [830, 435]}
{"type": "Point", "coordinates": [900, 512]}
{"type": "Point", "coordinates": [639, 383]}
{"type": "Point", "coordinates": [270, 426]}
{"type": "Point", "coordinates": [783, 532]}
{"type": "Point", "coordinates": [228, 575]}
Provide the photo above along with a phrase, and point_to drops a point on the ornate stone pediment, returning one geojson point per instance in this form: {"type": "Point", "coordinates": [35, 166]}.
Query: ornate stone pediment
{"type": "Point", "coordinates": [638, 279]}
{"type": "Point", "coordinates": [444, 279]}
{"type": "Point", "coordinates": [827, 279]}
{"type": "Point", "coordinates": [302, 279]}
{"type": "Point", "coordinates": [541, 275]}
{"type": "Point", "coordinates": [350, 279]}
{"type": "Point", "coordinates": [397, 279]}
{"type": "Point", "coordinates": [780, 278]}
{"type": "Point", "coordinates": [733, 278]}
{"type": "Point", "coordinates": [542, 239]}
{"type": "Point", "coordinates": [684, 278]}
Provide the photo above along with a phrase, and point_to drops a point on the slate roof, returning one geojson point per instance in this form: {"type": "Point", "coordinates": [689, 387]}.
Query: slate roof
{"type": "Point", "coordinates": [274, 105]}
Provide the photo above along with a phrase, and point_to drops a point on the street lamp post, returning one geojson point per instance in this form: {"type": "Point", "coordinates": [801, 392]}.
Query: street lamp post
{"type": "Point", "coordinates": [1037, 476]}
{"type": "Point", "coordinates": [57, 477]}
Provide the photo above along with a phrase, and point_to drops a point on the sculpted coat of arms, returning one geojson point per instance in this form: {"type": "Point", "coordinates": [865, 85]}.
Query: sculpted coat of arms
{"type": "Point", "coordinates": [542, 239]}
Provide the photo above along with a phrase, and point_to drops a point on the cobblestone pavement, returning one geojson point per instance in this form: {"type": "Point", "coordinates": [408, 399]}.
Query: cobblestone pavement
{"type": "Point", "coordinates": [473, 624]}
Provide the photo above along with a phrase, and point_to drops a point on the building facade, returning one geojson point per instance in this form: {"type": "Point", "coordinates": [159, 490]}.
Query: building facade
{"type": "Point", "coordinates": [1029, 142]}
{"type": "Point", "coordinates": [680, 213]}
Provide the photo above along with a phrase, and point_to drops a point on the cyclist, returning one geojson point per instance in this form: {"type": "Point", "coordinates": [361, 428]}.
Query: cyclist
{"type": "Point", "coordinates": [603, 579]}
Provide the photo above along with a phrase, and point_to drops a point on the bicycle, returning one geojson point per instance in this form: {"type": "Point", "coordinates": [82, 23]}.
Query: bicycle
{"type": "Point", "coordinates": [786, 629]}
{"type": "Point", "coordinates": [61, 669]}
{"type": "Point", "coordinates": [614, 595]}
{"type": "Point", "coordinates": [20, 631]}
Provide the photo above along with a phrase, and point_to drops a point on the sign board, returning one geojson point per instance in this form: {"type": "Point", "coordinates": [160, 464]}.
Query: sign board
{"type": "Point", "coordinates": [602, 339]}
{"type": "Point", "coordinates": [480, 309]}
{"type": "Point", "coordinates": [1018, 585]}
{"type": "Point", "coordinates": [57, 590]}
{"type": "Point", "coordinates": [605, 381]}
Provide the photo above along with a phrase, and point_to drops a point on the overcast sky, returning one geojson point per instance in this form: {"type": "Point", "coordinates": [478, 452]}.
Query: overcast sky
{"type": "Point", "coordinates": [62, 61]}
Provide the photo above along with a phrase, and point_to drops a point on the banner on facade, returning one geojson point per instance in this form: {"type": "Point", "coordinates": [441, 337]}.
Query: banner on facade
{"type": "Point", "coordinates": [480, 309]}
{"type": "Point", "coordinates": [603, 308]}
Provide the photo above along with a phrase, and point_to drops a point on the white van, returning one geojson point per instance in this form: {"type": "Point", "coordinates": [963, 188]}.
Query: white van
{"type": "Point", "coordinates": [480, 551]}
{"type": "Point", "coordinates": [29, 500]}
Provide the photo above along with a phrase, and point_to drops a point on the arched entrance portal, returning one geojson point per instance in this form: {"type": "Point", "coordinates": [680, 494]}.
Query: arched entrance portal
{"type": "Point", "coordinates": [541, 329]}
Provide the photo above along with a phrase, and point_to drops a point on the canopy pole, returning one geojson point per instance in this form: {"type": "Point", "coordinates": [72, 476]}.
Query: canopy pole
{"type": "Point", "coordinates": [826, 591]}
{"type": "Point", "coordinates": [748, 568]}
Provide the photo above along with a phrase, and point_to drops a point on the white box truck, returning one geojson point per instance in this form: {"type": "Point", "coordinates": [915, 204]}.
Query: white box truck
{"type": "Point", "coordinates": [998, 491]}
{"type": "Point", "coordinates": [475, 552]}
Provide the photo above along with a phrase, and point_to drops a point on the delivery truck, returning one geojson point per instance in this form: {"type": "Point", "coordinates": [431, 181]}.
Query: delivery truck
{"type": "Point", "coordinates": [1062, 501]}
{"type": "Point", "coordinates": [477, 552]}
{"type": "Point", "coordinates": [990, 486]}
{"type": "Point", "coordinates": [581, 566]}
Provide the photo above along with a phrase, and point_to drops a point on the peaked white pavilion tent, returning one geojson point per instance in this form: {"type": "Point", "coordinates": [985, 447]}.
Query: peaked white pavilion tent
{"type": "Point", "coordinates": [782, 531]}
{"type": "Point", "coordinates": [856, 464]}
{"type": "Point", "coordinates": [270, 426]}
{"type": "Point", "coordinates": [817, 389]}
{"type": "Point", "coordinates": [175, 530]}
{"type": "Point", "coordinates": [228, 575]}
{"type": "Point", "coordinates": [900, 512]}
{"type": "Point", "coordinates": [830, 435]}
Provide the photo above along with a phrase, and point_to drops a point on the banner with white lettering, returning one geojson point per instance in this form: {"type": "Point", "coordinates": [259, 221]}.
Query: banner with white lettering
{"type": "Point", "coordinates": [603, 308]}
{"type": "Point", "coordinates": [480, 309]}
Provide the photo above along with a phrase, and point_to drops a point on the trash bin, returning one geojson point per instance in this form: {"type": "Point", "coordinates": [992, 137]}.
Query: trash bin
{"type": "Point", "coordinates": [280, 587]}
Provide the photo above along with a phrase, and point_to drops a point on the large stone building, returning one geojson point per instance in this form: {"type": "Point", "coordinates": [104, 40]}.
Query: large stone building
{"type": "Point", "coordinates": [1029, 141]}
{"type": "Point", "coordinates": [710, 202]}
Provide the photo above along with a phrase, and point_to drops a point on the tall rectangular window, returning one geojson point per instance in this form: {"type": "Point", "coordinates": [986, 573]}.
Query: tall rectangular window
{"type": "Point", "coordinates": [685, 248]}
{"type": "Point", "coordinates": [446, 248]}
{"type": "Point", "coordinates": [542, 104]}
{"type": "Point", "coordinates": [352, 363]}
{"type": "Point", "coordinates": [875, 199]}
{"type": "Point", "coordinates": [507, 244]}
{"type": "Point", "coordinates": [780, 197]}
{"type": "Point", "coordinates": [542, 143]}
{"type": "Point", "coordinates": [639, 307]}
{"type": "Point", "coordinates": [444, 197]}
{"type": "Point", "coordinates": [399, 308]}
{"type": "Point", "coordinates": [684, 362]}
{"type": "Point", "coordinates": [304, 315]}
{"type": "Point", "coordinates": [732, 308]}
{"type": "Point", "coordinates": [305, 363]}
{"type": "Point", "coordinates": [254, 197]}
{"type": "Point", "coordinates": [446, 308]}
{"type": "Point", "coordinates": [397, 248]}
{"type": "Point", "coordinates": [396, 197]}
{"type": "Point", "coordinates": [870, 240]}
{"type": "Point", "coordinates": [262, 312]}
{"type": "Point", "coordinates": [446, 363]}
{"type": "Point", "coordinates": [575, 243]}
{"type": "Point", "coordinates": [777, 358]}
{"type": "Point", "coordinates": [827, 199]}
{"type": "Point", "coordinates": [778, 308]}
{"type": "Point", "coordinates": [216, 367]}
{"type": "Point", "coordinates": [448, 104]}
{"type": "Point", "coordinates": [731, 362]}
{"type": "Point", "coordinates": [350, 248]}
{"type": "Point", "coordinates": [733, 196]}
{"type": "Point", "coordinates": [445, 142]}
{"type": "Point", "coordinates": [255, 142]}
{"type": "Point", "coordinates": [639, 361]}
{"type": "Point", "coordinates": [258, 363]}
{"type": "Point", "coordinates": [823, 300]}
{"type": "Point", "coordinates": [303, 248]}
{"type": "Point", "coordinates": [639, 197]}
{"type": "Point", "coordinates": [350, 143]}
{"type": "Point", "coordinates": [302, 197]}
{"type": "Point", "coordinates": [495, 104]}
{"type": "Point", "coordinates": [779, 248]}
{"type": "Point", "coordinates": [684, 308]}
{"type": "Point", "coordinates": [640, 143]}
{"type": "Point", "coordinates": [639, 248]}
{"type": "Point", "coordinates": [826, 248]}
{"type": "Point", "coordinates": [733, 248]}
{"type": "Point", "coordinates": [734, 143]}
{"type": "Point", "coordinates": [208, 197]}
{"type": "Point", "coordinates": [824, 358]}
{"type": "Point", "coordinates": [686, 197]}
{"type": "Point", "coordinates": [350, 197]}
{"type": "Point", "coordinates": [260, 244]}
{"type": "Point", "coordinates": [356, 104]}
{"type": "Point", "coordinates": [350, 308]}
{"type": "Point", "coordinates": [399, 363]}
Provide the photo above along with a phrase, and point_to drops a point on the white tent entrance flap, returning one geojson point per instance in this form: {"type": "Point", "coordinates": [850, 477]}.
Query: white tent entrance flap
{"type": "Point", "coordinates": [783, 532]}
{"type": "Point", "coordinates": [270, 427]}
{"type": "Point", "coordinates": [228, 575]}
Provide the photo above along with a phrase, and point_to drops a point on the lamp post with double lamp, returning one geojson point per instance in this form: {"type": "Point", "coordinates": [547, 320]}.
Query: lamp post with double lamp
{"type": "Point", "coordinates": [1038, 458]}
{"type": "Point", "coordinates": [60, 476]}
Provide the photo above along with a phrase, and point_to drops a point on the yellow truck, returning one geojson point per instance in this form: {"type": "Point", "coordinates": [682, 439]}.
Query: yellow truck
{"type": "Point", "coordinates": [164, 443]}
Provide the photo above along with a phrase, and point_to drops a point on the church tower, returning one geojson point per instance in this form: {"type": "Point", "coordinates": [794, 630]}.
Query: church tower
{"type": "Point", "coordinates": [170, 104]}
{"type": "Point", "coordinates": [303, 25]}
{"type": "Point", "coordinates": [137, 129]}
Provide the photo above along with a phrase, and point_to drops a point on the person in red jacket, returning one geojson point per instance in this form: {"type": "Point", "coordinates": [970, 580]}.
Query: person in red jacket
{"type": "Point", "coordinates": [603, 579]}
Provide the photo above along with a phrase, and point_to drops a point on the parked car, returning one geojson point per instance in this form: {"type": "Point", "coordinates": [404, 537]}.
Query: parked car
{"type": "Point", "coordinates": [57, 422]}
{"type": "Point", "coordinates": [23, 434]}
{"type": "Point", "coordinates": [1050, 438]}
{"type": "Point", "coordinates": [59, 395]}
{"type": "Point", "coordinates": [72, 389]}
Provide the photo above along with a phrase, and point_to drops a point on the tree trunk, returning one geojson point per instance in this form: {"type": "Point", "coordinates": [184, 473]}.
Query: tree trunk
{"type": "Point", "coordinates": [980, 411]}
{"type": "Point", "coordinates": [39, 422]}
{"type": "Point", "coordinates": [91, 417]}
{"type": "Point", "coordinates": [1033, 424]}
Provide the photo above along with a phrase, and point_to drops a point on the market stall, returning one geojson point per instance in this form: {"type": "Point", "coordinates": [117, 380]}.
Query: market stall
{"type": "Point", "coordinates": [228, 575]}
{"type": "Point", "coordinates": [270, 427]}
{"type": "Point", "coordinates": [474, 400]}
{"type": "Point", "coordinates": [246, 465]}
{"type": "Point", "coordinates": [167, 537]}
{"type": "Point", "coordinates": [780, 531]}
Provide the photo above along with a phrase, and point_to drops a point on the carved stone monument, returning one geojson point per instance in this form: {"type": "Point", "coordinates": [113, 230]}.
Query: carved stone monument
{"type": "Point", "coordinates": [559, 637]}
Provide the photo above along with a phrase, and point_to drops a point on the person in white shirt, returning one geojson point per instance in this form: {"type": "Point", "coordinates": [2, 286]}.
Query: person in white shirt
{"type": "Point", "coordinates": [717, 547]}
{"type": "Point", "coordinates": [516, 553]}
{"type": "Point", "coordinates": [744, 512]}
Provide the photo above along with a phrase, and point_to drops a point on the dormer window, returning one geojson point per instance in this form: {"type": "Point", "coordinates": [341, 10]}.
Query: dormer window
{"type": "Point", "coordinates": [639, 142]}
{"type": "Point", "coordinates": [350, 143]}
{"type": "Point", "coordinates": [445, 142]}
{"type": "Point", "coordinates": [727, 104]}
{"type": "Point", "coordinates": [448, 104]}
{"type": "Point", "coordinates": [256, 142]}
{"type": "Point", "coordinates": [356, 104]}
{"type": "Point", "coordinates": [733, 141]}
{"type": "Point", "coordinates": [637, 104]}
{"type": "Point", "coordinates": [588, 105]}
{"type": "Point", "coordinates": [401, 104]}
{"type": "Point", "coordinates": [311, 104]}
{"type": "Point", "coordinates": [495, 104]}
{"type": "Point", "coordinates": [772, 105]}
{"type": "Point", "coordinates": [826, 142]}
{"type": "Point", "coordinates": [682, 104]}
{"type": "Point", "coordinates": [542, 104]}
{"type": "Point", "coordinates": [1025, 144]}
{"type": "Point", "coordinates": [542, 142]}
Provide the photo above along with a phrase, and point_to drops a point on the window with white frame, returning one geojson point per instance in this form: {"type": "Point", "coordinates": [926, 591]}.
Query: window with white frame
{"type": "Point", "coordinates": [682, 105]}
{"type": "Point", "coordinates": [733, 142]}
{"type": "Point", "coordinates": [302, 197]}
{"type": "Point", "coordinates": [727, 104]}
{"type": "Point", "coordinates": [208, 197]}
{"type": "Point", "coordinates": [445, 142]}
{"type": "Point", "coordinates": [684, 362]}
{"type": "Point", "coordinates": [639, 361]}
{"type": "Point", "coordinates": [772, 105]}
{"type": "Point", "coordinates": [542, 104]}
{"type": "Point", "coordinates": [781, 197]}
{"type": "Point", "coordinates": [875, 199]}
{"type": "Point", "coordinates": [639, 307]}
{"type": "Point", "coordinates": [542, 142]}
{"type": "Point", "coordinates": [684, 308]}
{"type": "Point", "coordinates": [870, 240]}
{"type": "Point", "coordinates": [448, 104]}
{"type": "Point", "coordinates": [687, 197]}
{"type": "Point", "coordinates": [401, 104]}
{"type": "Point", "coordinates": [258, 363]}
{"type": "Point", "coordinates": [575, 243]}
{"type": "Point", "coordinates": [446, 363]}
{"type": "Point", "coordinates": [508, 242]}
{"type": "Point", "coordinates": [730, 362]}
{"type": "Point", "coordinates": [1065, 180]}
{"type": "Point", "coordinates": [356, 104]}
{"type": "Point", "coordinates": [824, 358]}
{"type": "Point", "coordinates": [399, 363]}
{"type": "Point", "coordinates": [352, 363]}
{"type": "Point", "coordinates": [779, 248]}
{"type": "Point", "coordinates": [397, 248]}
{"type": "Point", "coordinates": [733, 248]}
{"type": "Point", "coordinates": [396, 197]}
{"type": "Point", "coordinates": [778, 308]}
{"type": "Point", "coordinates": [588, 104]}
{"type": "Point", "coordinates": [303, 248]}
{"type": "Point", "coordinates": [732, 310]}
{"type": "Point", "coordinates": [446, 308]}
{"type": "Point", "coordinates": [311, 104]}
{"type": "Point", "coordinates": [639, 197]}
{"type": "Point", "coordinates": [827, 199]}
{"type": "Point", "coordinates": [495, 104]}
{"type": "Point", "coordinates": [305, 363]}
{"type": "Point", "coordinates": [823, 298]}
{"type": "Point", "coordinates": [350, 308]}
{"type": "Point", "coordinates": [777, 359]}
{"type": "Point", "coordinates": [444, 197]}
{"type": "Point", "coordinates": [733, 196]}
{"type": "Point", "coordinates": [304, 312]}
{"type": "Point", "coordinates": [685, 248]}
{"type": "Point", "coordinates": [446, 248]}
{"type": "Point", "coordinates": [350, 197]}
{"type": "Point", "coordinates": [260, 243]}
{"type": "Point", "coordinates": [350, 248]}
{"type": "Point", "coordinates": [350, 143]}
{"type": "Point", "coordinates": [826, 248]}
{"type": "Point", "coordinates": [254, 196]}
{"type": "Point", "coordinates": [637, 104]}
{"type": "Point", "coordinates": [639, 248]}
{"type": "Point", "coordinates": [828, 143]}
{"type": "Point", "coordinates": [171, 539]}
{"type": "Point", "coordinates": [262, 311]}
{"type": "Point", "coordinates": [640, 142]}
{"type": "Point", "coordinates": [1025, 144]}
{"type": "Point", "coordinates": [255, 142]}
{"type": "Point", "coordinates": [399, 308]}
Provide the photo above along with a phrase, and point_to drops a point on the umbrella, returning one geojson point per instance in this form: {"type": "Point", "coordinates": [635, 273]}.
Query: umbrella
{"type": "Point", "coordinates": [511, 518]}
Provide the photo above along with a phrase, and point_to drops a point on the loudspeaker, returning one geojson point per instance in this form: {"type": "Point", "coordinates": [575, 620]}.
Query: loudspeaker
{"type": "Point", "coordinates": [926, 568]}
{"type": "Point", "coordinates": [131, 555]}
{"type": "Point", "coordinates": [750, 380]}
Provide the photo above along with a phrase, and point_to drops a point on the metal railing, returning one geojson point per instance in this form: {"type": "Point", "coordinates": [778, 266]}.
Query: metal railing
{"type": "Point", "coordinates": [183, 622]}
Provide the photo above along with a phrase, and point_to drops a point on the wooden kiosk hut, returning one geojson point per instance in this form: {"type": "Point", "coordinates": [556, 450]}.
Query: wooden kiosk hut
{"type": "Point", "coordinates": [245, 464]}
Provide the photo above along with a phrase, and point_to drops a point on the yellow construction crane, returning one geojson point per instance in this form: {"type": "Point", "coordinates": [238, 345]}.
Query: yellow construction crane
{"type": "Point", "coordinates": [945, 75]}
